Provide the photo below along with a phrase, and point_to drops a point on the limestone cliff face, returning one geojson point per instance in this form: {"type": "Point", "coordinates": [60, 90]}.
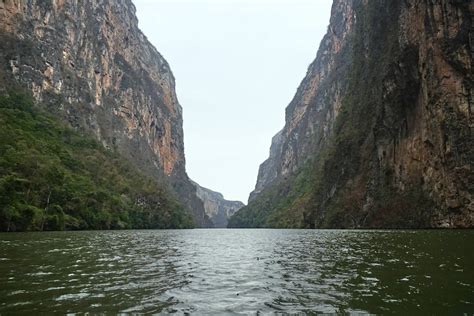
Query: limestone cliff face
{"type": "Point", "coordinates": [270, 169]}
{"type": "Point", "coordinates": [92, 65]}
{"type": "Point", "coordinates": [384, 111]}
{"type": "Point", "coordinates": [218, 209]}
{"type": "Point", "coordinates": [311, 114]}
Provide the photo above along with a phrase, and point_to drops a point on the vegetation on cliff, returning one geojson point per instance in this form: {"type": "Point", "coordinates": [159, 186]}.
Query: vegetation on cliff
{"type": "Point", "coordinates": [279, 206]}
{"type": "Point", "coordinates": [54, 178]}
{"type": "Point", "coordinates": [92, 66]}
{"type": "Point", "coordinates": [353, 181]}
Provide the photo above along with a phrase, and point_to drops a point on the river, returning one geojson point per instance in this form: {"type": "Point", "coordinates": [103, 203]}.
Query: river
{"type": "Point", "coordinates": [238, 271]}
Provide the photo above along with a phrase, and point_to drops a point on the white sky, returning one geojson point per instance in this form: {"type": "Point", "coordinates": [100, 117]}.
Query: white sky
{"type": "Point", "coordinates": [237, 65]}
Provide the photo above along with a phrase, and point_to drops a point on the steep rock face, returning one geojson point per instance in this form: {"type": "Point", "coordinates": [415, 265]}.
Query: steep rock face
{"type": "Point", "coordinates": [92, 66]}
{"type": "Point", "coordinates": [218, 209]}
{"type": "Point", "coordinates": [381, 126]}
{"type": "Point", "coordinates": [311, 114]}
{"type": "Point", "coordinates": [269, 169]}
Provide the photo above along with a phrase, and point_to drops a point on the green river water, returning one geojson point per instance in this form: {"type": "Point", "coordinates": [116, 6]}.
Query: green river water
{"type": "Point", "coordinates": [238, 271]}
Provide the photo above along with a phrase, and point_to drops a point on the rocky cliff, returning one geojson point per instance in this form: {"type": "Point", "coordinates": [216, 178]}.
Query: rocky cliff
{"type": "Point", "coordinates": [379, 133]}
{"type": "Point", "coordinates": [218, 209]}
{"type": "Point", "coordinates": [92, 66]}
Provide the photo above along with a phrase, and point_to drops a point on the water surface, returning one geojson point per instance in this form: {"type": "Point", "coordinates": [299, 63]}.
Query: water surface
{"type": "Point", "coordinates": [238, 271]}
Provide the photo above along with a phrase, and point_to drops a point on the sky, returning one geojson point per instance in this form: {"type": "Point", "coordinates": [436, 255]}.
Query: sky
{"type": "Point", "coordinates": [237, 65]}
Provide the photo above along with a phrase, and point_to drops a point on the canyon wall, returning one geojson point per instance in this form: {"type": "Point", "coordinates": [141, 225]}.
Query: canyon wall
{"type": "Point", "coordinates": [379, 133]}
{"type": "Point", "coordinates": [92, 66]}
{"type": "Point", "coordinates": [218, 209]}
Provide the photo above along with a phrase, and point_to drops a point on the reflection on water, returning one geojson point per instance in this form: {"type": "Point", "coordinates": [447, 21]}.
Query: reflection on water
{"type": "Point", "coordinates": [242, 271]}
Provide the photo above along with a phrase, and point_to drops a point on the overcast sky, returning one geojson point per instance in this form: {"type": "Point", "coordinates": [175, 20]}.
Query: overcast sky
{"type": "Point", "coordinates": [237, 65]}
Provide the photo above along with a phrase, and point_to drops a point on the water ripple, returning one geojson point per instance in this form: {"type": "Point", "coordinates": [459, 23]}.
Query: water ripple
{"type": "Point", "coordinates": [238, 271]}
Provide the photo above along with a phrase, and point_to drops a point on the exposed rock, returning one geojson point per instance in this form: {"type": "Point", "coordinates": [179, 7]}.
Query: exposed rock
{"type": "Point", "coordinates": [92, 65]}
{"type": "Point", "coordinates": [268, 170]}
{"type": "Point", "coordinates": [218, 209]}
{"type": "Point", "coordinates": [387, 104]}
{"type": "Point", "coordinates": [312, 112]}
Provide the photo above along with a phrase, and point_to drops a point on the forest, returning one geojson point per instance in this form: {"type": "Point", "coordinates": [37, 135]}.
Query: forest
{"type": "Point", "coordinates": [54, 178]}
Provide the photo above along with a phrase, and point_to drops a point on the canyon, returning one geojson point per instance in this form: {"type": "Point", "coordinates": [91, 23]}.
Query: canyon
{"type": "Point", "coordinates": [378, 135]}
{"type": "Point", "coordinates": [364, 204]}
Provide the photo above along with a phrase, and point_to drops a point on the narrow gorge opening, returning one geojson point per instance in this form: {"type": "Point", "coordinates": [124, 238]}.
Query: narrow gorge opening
{"type": "Point", "coordinates": [237, 65]}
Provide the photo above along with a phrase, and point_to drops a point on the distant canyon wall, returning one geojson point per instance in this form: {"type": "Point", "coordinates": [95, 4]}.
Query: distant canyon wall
{"type": "Point", "coordinates": [218, 209]}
